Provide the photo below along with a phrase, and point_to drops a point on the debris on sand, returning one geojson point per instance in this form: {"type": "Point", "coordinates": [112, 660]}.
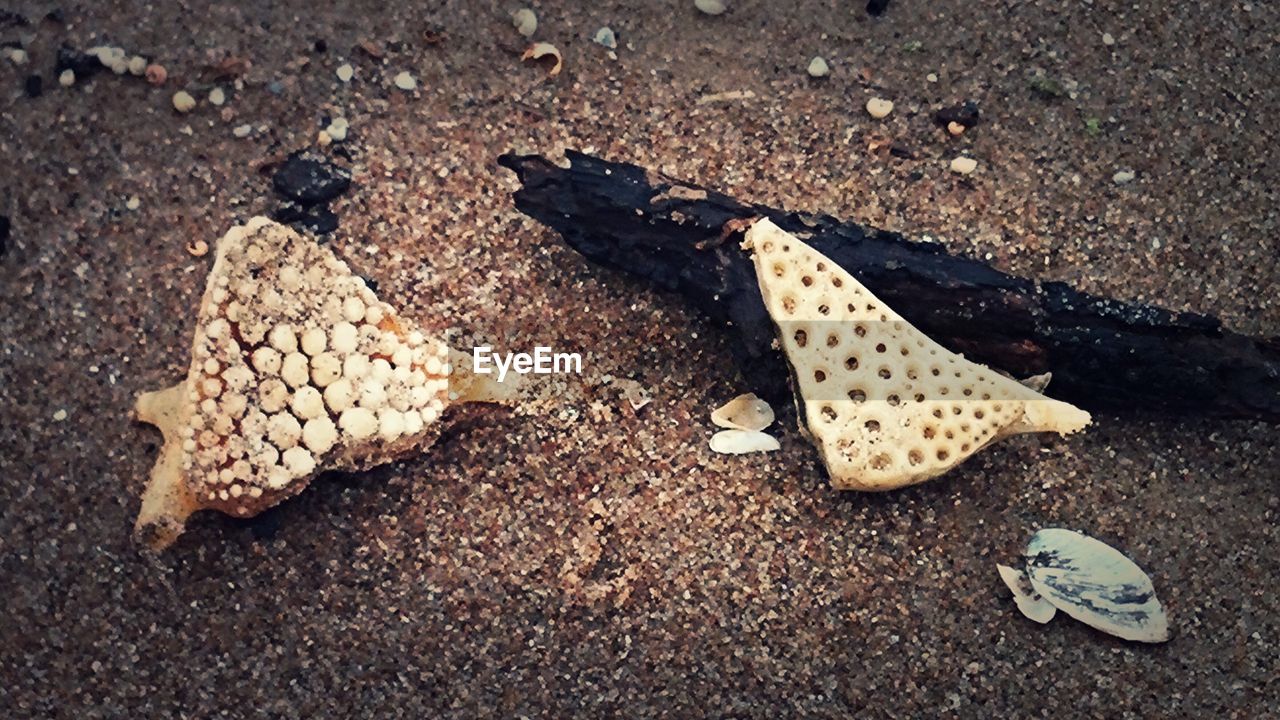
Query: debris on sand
{"type": "Point", "coordinates": [183, 102]}
{"type": "Point", "coordinates": [741, 442]}
{"type": "Point", "coordinates": [711, 7]}
{"type": "Point", "coordinates": [964, 165]}
{"type": "Point", "coordinates": [405, 81]}
{"type": "Point", "coordinates": [818, 67]}
{"type": "Point", "coordinates": [604, 36]}
{"type": "Point", "coordinates": [525, 22]}
{"type": "Point", "coordinates": [879, 108]}
{"type": "Point", "coordinates": [345, 72]}
{"type": "Point", "coordinates": [965, 114]}
{"type": "Point", "coordinates": [1029, 602]}
{"type": "Point", "coordinates": [1095, 584]}
{"type": "Point", "coordinates": [540, 50]}
{"type": "Point", "coordinates": [1123, 177]}
{"type": "Point", "coordinates": [67, 78]}
{"type": "Point", "coordinates": [745, 412]}
{"type": "Point", "coordinates": [309, 182]}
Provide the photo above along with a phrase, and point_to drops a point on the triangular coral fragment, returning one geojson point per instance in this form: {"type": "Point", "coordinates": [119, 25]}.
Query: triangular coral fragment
{"type": "Point", "coordinates": [885, 405]}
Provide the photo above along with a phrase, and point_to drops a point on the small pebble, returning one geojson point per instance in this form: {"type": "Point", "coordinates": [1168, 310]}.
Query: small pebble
{"type": "Point", "coordinates": [1123, 176]}
{"type": "Point", "coordinates": [1107, 39]}
{"type": "Point", "coordinates": [405, 81]}
{"type": "Point", "coordinates": [183, 102]}
{"type": "Point", "coordinates": [67, 78]}
{"type": "Point", "coordinates": [931, 77]}
{"type": "Point", "coordinates": [198, 248]}
{"type": "Point", "coordinates": [964, 165]}
{"type": "Point", "coordinates": [818, 67]}
{"type": "Point", "coordinates": [710, 7]}
{"type": "Point", "coordinates": [604, 36]}
{"type": "Point", "coordinates": [133, 203]}
{"type": "Point", "coordinates": [337, 129]}
{"type": "Point", "coordinates": [525, 21]}
{"type": "Point", "coordinates": [156, 74]}
{"type": "Point", "coordinates": [345, 72]}
{"type": "Point", "coordinates": [242, 131]}
{"type": "Point", "coordinates": [217, 96]}
{"type": "Point", "coordinates": [17, 56]}
{"type": "Point", "coordinates": [879, 108]}
{"type": "Point", "coordinates": [60, 415]}
{"type": "Point", "coordinates": [137, 65]}
{"type": "Point", "coordinates": [955, 128]}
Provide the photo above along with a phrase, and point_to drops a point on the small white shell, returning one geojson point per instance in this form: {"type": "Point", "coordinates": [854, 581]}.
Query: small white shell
{"type": "Point", "coordinates": [745, 412]}
{"type": "Point", "coordinates": [1029, 601]}
{"type": "Point", "coordinates": [740, 442]}
{"type": "Point", "coordinates": [818, 67]}
{"type": "Point", "coordinates": [710, 7]}
{"type": "Point", "coordinates": [539, 50]}
{"type": "Point", "coordinates": [1095, 584]}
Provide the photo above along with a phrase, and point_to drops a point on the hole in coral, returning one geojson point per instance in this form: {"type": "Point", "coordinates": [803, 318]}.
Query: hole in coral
{"type": "Point", "coordinates": [823, 309]}
{"type": "Point", "coordinates": [880, 461]}
{"type": "Point", "coordinates": [885, 373]}
{"type": "Point", "coordinates": [837, 282]}
{"type": "Point", "coordinates": [857, 395]}
{"type": "Point", "coordinates": [880, 347]}
{"type": "Point", "coordinates": [828, 413]}
{"type": "Point", "coordinates": [806, 281]}
{"type": "Point", "coordinates": [894, 401]}
{"type": "Point", "coordinates": [819, 375]}
{"type": "Point", "coordinates": [801, 337]}
{"type": "Point", "coordinates": [872, 425]}
{"type": "Point", "coordinates": [943, 454]}
{"type": "Point", "coordinates": [833, 340]}
{"type": "Point", "coordinates": [860, 330]}
{"type": "Point", "coordinates": [851, 363]}
{"type": "Point", "coordinates": [930, 432]}
{"type": "Point", "coordinates": [915, 457]}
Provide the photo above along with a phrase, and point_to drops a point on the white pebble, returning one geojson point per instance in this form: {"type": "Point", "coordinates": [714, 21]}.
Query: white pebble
{"type": "Point", "coordinates": [60, 415]}
{"type": "Point", "coordinates": [405, 81]}
{"type": "Point", "coordinates": [818, 67]}
{"type": "Point", "coordinates": [133, 203]}
{"type": "Point", "coordinates": [217, 96]}
{"type": "Point", "coordinates": [183, 102]}
{"type": "Point", "coordinates": [346, 72]}
{"type": "Point", "coordinates": [359, 423]}
{"type": "Point", "coordinates": [1107, 39]}
{"type": "Point", "coordinates": [525, 21]}
{"type": "Point", "coordinates": [710, 7]}
{"type": "Point", "coordinates": [353, 310]}
{"type": "Point", "coordinates": [67, 78]}
{"type": "Point", "coordinates": [337, 130]}
{"type": "Point", "coordinates": [355, 367]}
{"type": "Point", "coordinates": [879, 108]}
{"type": "Point", "coordinates": [1123, 176]}
{"type": "Point", "coordinates": [137, 65]}
{"type": "Point", "coordinates": [319, 434]}
{"type": "Point", "coordinates": [18, 56]}
{"type": "Point", "coordinates": [964, 165]}
{"type": "Point", "coordinates": [242, 131]}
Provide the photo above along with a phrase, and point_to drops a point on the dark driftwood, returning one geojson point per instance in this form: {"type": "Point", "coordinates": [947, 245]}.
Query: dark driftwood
{"type": "Point", "coordinates": [1104, 354]}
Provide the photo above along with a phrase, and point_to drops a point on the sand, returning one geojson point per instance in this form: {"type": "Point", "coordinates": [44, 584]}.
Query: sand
{"type": "Point", "coordinates": [578, 557]}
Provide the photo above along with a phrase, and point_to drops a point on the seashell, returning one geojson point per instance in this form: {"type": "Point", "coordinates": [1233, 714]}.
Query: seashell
{"type": "Point", "coordinates": [710, 7]}
{"type": "Point", "coordinates": [745, 412]}
{"type": "Point", "coordinates": [539, 50]}
{"type": "Point", "coordinates": [1030, 602]}
{"type": "Point", "coordinates": [740, 442]}
{"type": "Point", "coordinates": [525, 22]}
{"type": "Point", "coordinates": [1095, 584]}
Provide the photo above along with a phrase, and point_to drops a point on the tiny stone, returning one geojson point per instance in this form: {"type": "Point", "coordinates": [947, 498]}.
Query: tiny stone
{"type": "Point", "coordinates": [217, 96]}
{"type": "Point", "coordinates": [1107, 39]}
{"type": "Point", "coordinates": [955, 128]}
{"type": "Point", "coordinates": [133, 203]}
{"type": "Point", "coordinates": [345, 72]}
{"type": "Point", "coordinates": [525, 22]}
{"type": "Point", "coordinates": [67, 78]}
{"type": "Point", "coordinates": [879, 108]}
{"type": "Point", "coordinates": [60, 415]}
{"type": "Point", "coordinates": [710, 7]}
{"type": "Point", "coordinates": [931, 77]}
{"type": "Point", "coordinates": [242, 131]}
{"type": "Point", "coordinates": [137, 65]}
{"type": "Point", "coordinates": [604, 36]}
{"type": "Point", "coordinates": [964, 165]}
{"type": "Point", "coordinates": [818, 68]}
{"type": "Point", "coordinates": [405, 81]}
{"type": "Point", "coordinates": [183, 102]}
{"type": "Point", "coordinates": [1123, 177]}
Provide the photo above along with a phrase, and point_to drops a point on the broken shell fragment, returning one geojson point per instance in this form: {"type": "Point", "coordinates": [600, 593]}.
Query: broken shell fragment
{"type": "Point", "coordinates": [1030, 602]}
{"type": "Point", "coordinates": [740, 442]}
{"type": "Point", "coordinates": [604, 36]}
{"type": "Point", "coordinates": [818, 67]}
{"type": "Point", "coordinates": [1095, 584]}
{"type": "Point", "coordinates": [710, 7]}
{"type": "Point", "coordinates": [885, 404]}
{"type": "Point", "coordinates": [879, 108]}
{"type": "Point", "coordinates": [539, 50]}
{"type": "Point", "coordinates": [745, 412]}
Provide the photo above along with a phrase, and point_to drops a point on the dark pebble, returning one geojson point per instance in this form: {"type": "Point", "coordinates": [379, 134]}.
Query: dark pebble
{"type": "Point", "coordinates": [309, 179]}
{"type": "Point", "coordinates": [876, 7]}
{"type": "Point", "coordinates": [319, 219]}
{"type": "Point", "coordinates": [81, 64]}
{"type": "Point", "coordinates": [4, 234]}
{"type": "Point", "coordinates": [33, 86]}
{"type": "Point", "coordinates": [965, 113]}
{"type": "Point", "coordinates": [321, 46]}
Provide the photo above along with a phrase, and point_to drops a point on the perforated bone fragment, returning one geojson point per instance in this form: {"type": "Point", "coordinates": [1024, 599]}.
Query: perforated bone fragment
{"type": "Point", "coordinates": [745, 412]}
{"type": "Point", "coordinates": [885, 405]}
{"type": "Point", "coordinates": [259, 414]}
